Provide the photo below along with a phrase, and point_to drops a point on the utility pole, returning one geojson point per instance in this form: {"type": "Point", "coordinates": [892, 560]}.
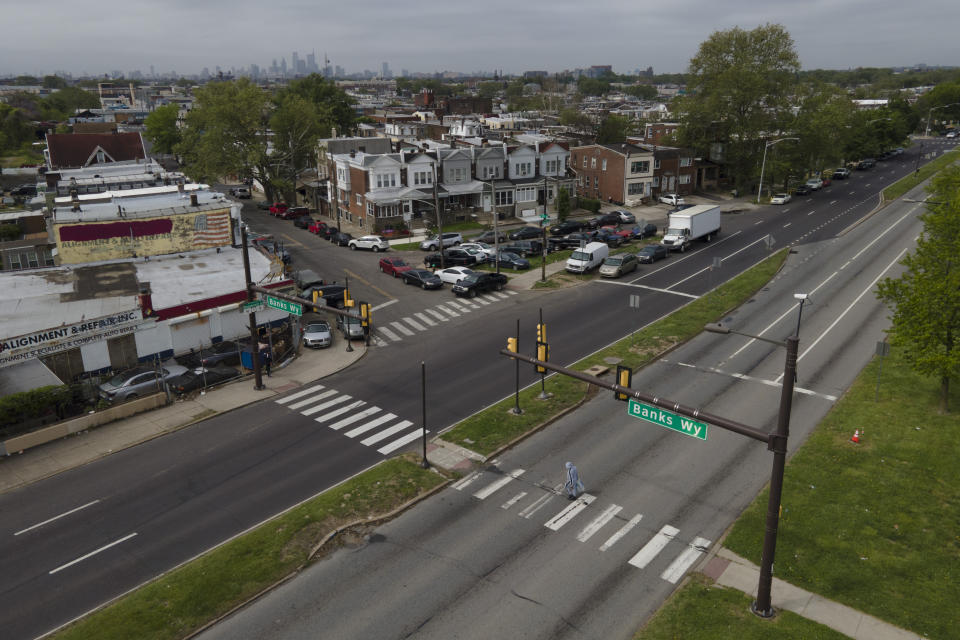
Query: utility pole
{"type": "Point", "coordinates": [436, 208]}
{"type": "Point", "coordinates": [254, 338]}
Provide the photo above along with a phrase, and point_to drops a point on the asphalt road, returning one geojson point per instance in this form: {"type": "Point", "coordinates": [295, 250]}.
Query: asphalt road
{"type": "Point", "coordinates": [126, 518]}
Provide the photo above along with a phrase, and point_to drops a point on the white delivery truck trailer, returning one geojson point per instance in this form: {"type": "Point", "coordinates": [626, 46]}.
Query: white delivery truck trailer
{"type": "Point", "coordinates": [683, 227]}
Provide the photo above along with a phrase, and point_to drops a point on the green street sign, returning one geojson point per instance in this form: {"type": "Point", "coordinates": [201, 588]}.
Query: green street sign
{"type": "Point", "coordinates": [283, 305]}
{"type": "Point", "coordinates": [667, 419]}
{"type": "Point", "coordinates": [253, 304]}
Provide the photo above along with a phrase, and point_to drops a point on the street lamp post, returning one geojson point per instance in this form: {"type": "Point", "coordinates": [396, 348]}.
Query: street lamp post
{"type": "Point", "coordinates": [496, 225]}
{"type": "Point", "coordinates": [930, 114]}
{"type": "Point", "coordinates": [764, 164]}
{"type": "Point", "coordinates": [762, 606]}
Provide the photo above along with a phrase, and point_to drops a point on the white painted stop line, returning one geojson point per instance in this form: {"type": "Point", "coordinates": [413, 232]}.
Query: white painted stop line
{"type": "Point", "coordinates": [650, 550]}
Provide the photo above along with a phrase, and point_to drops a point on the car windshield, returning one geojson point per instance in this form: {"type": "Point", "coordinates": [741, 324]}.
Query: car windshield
{"type": "Point", "coordinates": [580, 255]}
{"type": "Point", "coordinates": [470, 279]}
{"type": "Point", "coordinates": [674, 232]}
{"type": "Point", "coordinates": [617, 260]}
{"type": "Point", "coordinates": [318, 327]}
{"type": "Point", "coordinates": [649, 250]}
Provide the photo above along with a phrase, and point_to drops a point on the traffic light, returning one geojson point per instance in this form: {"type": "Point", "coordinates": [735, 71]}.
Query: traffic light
{"type": "Point", "coordinates": [542, 332]}
{"type": "Point", "coordinates": [347, 300]}
{"type": "Point", "coordinates": [624, 377]}
{"type": "Point", "coordinates": [512, 345]}
{"type": "Point", "coordinates": [365, 314]}
{"type": "Point", "coordinates": [543, 355]}
{"type": "Point", "coordinates": [316, 295]}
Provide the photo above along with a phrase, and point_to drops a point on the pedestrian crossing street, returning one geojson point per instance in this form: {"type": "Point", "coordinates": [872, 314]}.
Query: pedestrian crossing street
{"type": "Point", "coordinates": [353, 418]}
{"type": "Point", "coordinates": [527, 504]}
{"type": "Point", "coordinates": [390, 332]}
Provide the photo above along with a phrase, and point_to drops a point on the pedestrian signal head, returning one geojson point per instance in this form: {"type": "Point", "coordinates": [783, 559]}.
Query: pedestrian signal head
{"type": "Point", "coordinates": [624, 377]}
{"type": "Point", "coordinates": [543, 355]}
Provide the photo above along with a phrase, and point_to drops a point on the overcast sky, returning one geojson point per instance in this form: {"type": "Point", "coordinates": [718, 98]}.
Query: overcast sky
{"type": "Point", "coordinates": [512, 35]}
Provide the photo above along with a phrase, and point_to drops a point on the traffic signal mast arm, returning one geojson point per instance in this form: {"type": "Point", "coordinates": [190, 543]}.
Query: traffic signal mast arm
{"type": "Point", "coordinates": [690, 412]}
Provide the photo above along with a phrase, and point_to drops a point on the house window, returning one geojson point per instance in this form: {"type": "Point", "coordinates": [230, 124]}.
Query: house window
{"type": "Point", "coordinates": [640, 166]}
{"type": "Point", "coordinates": [522, 168]}
{"type": "Point", "coordinates": [584, 162]}
{"type": "Point", "coordinates": [656, 163]}
{"type": "Point", "coordinates": [359, 199]}
{"type": "Point", "coordinates": [593, 163]}
{"type": "Point", "coordinates": [596, 182]}
{"type": "Point", "coordinates": [685, 178]}
{"type": "Point", "coordinates": [552, 166]}
{"type": "Point", "coordinates": [656, 182]}
{"type": "Point", "coordinates": [684, 162]}
{"type": "Point", "coordinates": [370, 210]}
{"type": "Point", "coordinates": [459, 174]}
{"type": "Point", "coordinates": [388, 211]}
{"type": "Point", "coordinates": [386, 180]}
{"type": "Point", "coordinates": [504, 198]}
{"type": "Point", "coordinates": [603, 165]}
{"type": "Point", "coordinates": [526, 194]}
{"type": "Point", "coordinates": [422, 178]}
{"type": "Point", "coordinates": [635, 189]}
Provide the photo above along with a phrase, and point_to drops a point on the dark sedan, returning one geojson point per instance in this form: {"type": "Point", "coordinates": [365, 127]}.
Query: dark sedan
{"type": "Point", "coordinates": [341, 239]}
{"type": "Point", "coordinates": [422, 278]}
{"type": "Point", "coordinates": [610, 237]}
{"type": "Point", "coordinates": [303, 222]}
{"type": "Point", "coordinates": [513, 261]}
{"type": "Point", "coordinates": [603, 220]}
{"type": "Point", "coordinates": [451, 258]}
{"type": "Point", "coordinates": [223, 352]}
{"type": "Point", "coordinates": [489, 237]}
{"type": "Point", "coordinates": [565, 227]}
{"type": "Point", "coordinates": [526, 233]}
{"type": "Point", "coordinates": [477, 283]}
{"type": "Point", "coordinates": [201, 377]}
{"type": "Point", "coordinates": [652, 253]}
{"type": "Point", "coordinates": [573, 240]}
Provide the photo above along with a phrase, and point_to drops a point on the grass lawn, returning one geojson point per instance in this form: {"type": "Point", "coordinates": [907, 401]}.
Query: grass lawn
{"type": "Point", "coordinates": [491, 429]}
{"type": "Point", "coordinates": [906, 183]}
{"type": "Point", "coordinates": [703, 611]}
{"type": "Point", "coordinates": [875, 525]}
{"type": "Point", "coordinates": [189, 597]}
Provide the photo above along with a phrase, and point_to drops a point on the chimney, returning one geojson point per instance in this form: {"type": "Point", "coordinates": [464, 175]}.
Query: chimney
{"type": "Point", "coordinates": [180, 188]}
{"type": "Point", "coordinates": [193, 200]}
{"type": "Point", "coordinates": [353, 154]}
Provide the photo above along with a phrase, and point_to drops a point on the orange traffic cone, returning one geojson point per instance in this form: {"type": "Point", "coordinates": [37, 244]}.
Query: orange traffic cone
{"type": "Point", "coordinates": [856, 437]}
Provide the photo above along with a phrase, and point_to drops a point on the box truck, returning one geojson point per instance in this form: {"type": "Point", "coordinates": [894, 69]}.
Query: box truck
{"type": "Point", "coordinates": [683, 227]}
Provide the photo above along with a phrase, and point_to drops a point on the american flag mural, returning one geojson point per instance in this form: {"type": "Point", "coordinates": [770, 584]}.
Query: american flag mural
{"type": "Point", "coordinates": [211, 230]}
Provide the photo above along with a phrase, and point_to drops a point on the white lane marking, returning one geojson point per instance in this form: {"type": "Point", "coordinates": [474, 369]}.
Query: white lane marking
{"type": "Point", "coordinates": [868, 289]}
{"type": "Point", "coordinates": [725, 258]}
{"type": "Point", "coordinates": [758, 222]}
{"type": "Point", "coordinates": [92, 553]}
{"type": "Point", "coordinates": [466, 480]}
{"type": "Point", "coordinates": [685, 560]}
{"type": "Point", "coordinates": [452, 314]}
{"type": "Point", "coordinates": [538, 504]}
{"type": "Point", "coordinates": [325, 405]}
{"type": "Point", "coordinates": [643, 286]}
{"type": "Point", "coordinates": [832, 202]}
{"type": "Point", "coordinates": [624, 530]}
{"type": "Point", "coordinates": [64, 514]}
{"type": "Point", "coordinates": [379, 341]}
{"type": "Point", "coordinates": [386, 433]}
{"type": "Point", "coordinates": [498, 484]}
{"type": "Point", "coordinates": [458, 306]}
{"type": "Point", "coordinates": [787, 225]}
{"type": "Point", "coordinates": [385, 304]}
{"type": "Point", "coordinates": [438, 316]}
{"type": "Point", "coordinates": [423, 318]}
{"type": "Point", "coordinates": [656, 544]}
{"type": "Point", "coordinates": [570, 512]}
{"type": "Point", "coordinates": [339, 412]}
{"type": "Point", "coordinates": [514, 500]}
{"type": "Point", "coordinates": [336, 426]}
{"type": "Point", "coordinates": [811, 213]}
{"type": "Point", "coordinates": [399, 442]}
{"type": "Point", "coordinates": [413, 323]}
{"type": "Point", "coordinates": [743, 376]}
{"type": "Point", "coordinates": [373, 424]}
{"type": "Point", "coordinates": [389, 334]}
{"type": "Point", "coordinates": [598, 522]}
{"type": "Point", "coordinates": [402, 329]}
{"type": "Point", "coordinates": [886, 231]}
{"type": "Point", "coordinates": [299, 394]}
{"type": "Point", "coordinates": [316, 398]}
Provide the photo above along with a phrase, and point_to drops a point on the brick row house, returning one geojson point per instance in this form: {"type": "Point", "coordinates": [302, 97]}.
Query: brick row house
{"type": "Point", "coordinates": [630, 174]}
{"type": "Point", "coordinates": [385, 191]}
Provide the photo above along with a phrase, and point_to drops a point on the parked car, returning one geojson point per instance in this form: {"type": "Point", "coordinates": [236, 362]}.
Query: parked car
{"type": "Point", "coordinates": [241, 192]}
{"type": "Point", "coordinates": [526, 233]}
{"type": "Point", "coordinates": [317, 227]}
{"type": "Point", "coordinates": [618, 265]}
{"type": "Point", "coordinates": [264, 205]}
{"type": "Point", "coordinates": [328, 233]}
{"type": "Point", "coordinates": [481, 250]}
{"type": "Point", "coordinates": [513, 261]}
{"type": "Point", "coordinates": [394, 266]}
{"type": "Point", "coordinates": [671, 198]}
{"type": "Point", "coordinates": [371, 243]}
{"type": "Point", "coordinates": [27, 190]}
{"type": "Point", "coordinates": [825, 182]}
{"type": "Point", "coordinates": [453, 275]}
{"type": "Point", "coordinates": [625, 216]}
{"type": "Point", "coordinates": [317, 335]}
{"type": "Point", "coordinates": [433, 242]}
{"type": "Point", "coordinates": [651, 253]}
{"type": "Point", "coordinates": [525, 248]}
{"type": "Point", "coordinates": [422, 278]}
{"type": "Point", "coordinates": [565, 227]}
{"type": "Point", "coordinates": [292, 213]}
{"type": "Point", "coordinates": [646, 230]}
{"type": "Point", "coordinates": [610, 237]}
{"type": "Point", "coordinates": [603, 220]}
{"type": "Point", "coordinates": [350, 326]}
{"type": "Point", "coordinates": [200, 378]}
{"type": "Point", "coordinates": [451, 257]}
{"type": "Point", "coordinates": [477, 283]}
{"type": "Point", "coordinates": [278, 207]}
{"type": "Point", "coordinates": [490, 237]}
{"type": "Point", "coordinates": [866, 163]}
{"type": "Point", "coordinates": [138, 381]}
{"type": "Point", "coordinates": [814, 183]}
{"type": "Point", "coordinates": [801, 190]}
{"type": "Point", "coordinates": [573, 240]}
{"type": "Point", "coordinates": [341, 239]}
{"type": "Point", "coordinates": [841, 173]}
{"type": "Point", "coordinates": [327, 294]}
{"type": "Point", "coordinates": [303, 222]}
{"type": "Point", "coordinates": [780, 198]}
{"type": "Point", "coordinates": [223, 352]}
{"type": "Point", "coordinates": [951, 134]}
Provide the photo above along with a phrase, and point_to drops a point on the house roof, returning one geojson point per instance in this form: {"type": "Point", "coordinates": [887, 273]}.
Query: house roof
{"type": "Point", "coordinates": [70, 150]}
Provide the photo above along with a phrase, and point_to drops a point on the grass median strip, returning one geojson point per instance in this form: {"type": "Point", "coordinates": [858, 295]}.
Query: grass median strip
{"type": "Point", "coordinates": [189, 597]}
{"type": "Point", "coordinates": [493, 428]}
{"type": "Point", "coordinates": [873, 525]}
{"type": "Point", "coordinates": [906, 183]}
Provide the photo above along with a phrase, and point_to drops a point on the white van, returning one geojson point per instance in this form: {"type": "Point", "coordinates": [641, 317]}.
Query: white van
{"type": "Point", "coordinates": [588, 258]}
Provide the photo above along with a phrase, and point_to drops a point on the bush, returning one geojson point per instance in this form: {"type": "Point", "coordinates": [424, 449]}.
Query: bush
{"type": "Point", "coordinates": [20, 411]}
{"type": "Point", "coordinates": [10, 232]}
{"type": "Point", "coordinates": [590, 204]}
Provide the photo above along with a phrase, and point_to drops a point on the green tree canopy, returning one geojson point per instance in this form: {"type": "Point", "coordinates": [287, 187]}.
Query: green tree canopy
{"type": "Point", "coordinates": [296, 127]}
{"type": "Point", "coordinates": [333, 107]}
{"type": "Point", "coordinates": [65, 102]}
{"type": "Point", "coordinates": [642, 91]}
{"type": "Point", "coordinates": [925, 300]}
{"type": "Point", "coordinates": [15, 129]}
{"type": "Point", "coordinates": [162, 128]}
{"type": "Point", "coordinates": [613, 129]}
{"type": "Point", "coordinates": [54, 82]}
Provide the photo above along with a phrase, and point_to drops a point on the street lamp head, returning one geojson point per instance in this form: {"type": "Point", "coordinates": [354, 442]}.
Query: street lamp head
{"type": "Point", "coordinates": [800, 296]}
{"type": "Point", "coordinates": [716, 327]}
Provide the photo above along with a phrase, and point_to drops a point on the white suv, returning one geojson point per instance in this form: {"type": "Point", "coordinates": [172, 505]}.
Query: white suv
{"type": "Point", "coordinates": [373, 243]}
{"type": "Point", "coordinates": [672, 198]}
{"type": "Point", "coordinates": [433, 242]}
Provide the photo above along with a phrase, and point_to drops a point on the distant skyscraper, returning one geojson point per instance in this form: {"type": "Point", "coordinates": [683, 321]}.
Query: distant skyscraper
{"type": "Point", "coordinates": [404, 73]}
{"type": "Point", "coordinates": [254, 71]}
{"type": "Point", "coordinates": [311, 63]}
{"type": "Point", "coordinates": [384, 70]}
{"type": "Point", "coordinates": [283, 66]}
{"type": "Point", "coordinates": [294, 62]}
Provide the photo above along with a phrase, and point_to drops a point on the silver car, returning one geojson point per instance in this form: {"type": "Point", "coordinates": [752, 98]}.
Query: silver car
{"type": "Point", "coordinates": [317, 335]}
{"type": "Point", "coordinates": [137, 382]}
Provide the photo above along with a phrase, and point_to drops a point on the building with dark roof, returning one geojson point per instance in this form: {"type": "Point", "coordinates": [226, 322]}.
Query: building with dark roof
{"type": "Point", "coordinates": [76, 150]}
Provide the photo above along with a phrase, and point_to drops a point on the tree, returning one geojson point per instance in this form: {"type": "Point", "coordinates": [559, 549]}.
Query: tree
{"type": "Point", "coordinates": [333, 106]}
{"type": "Point", "coordinates": [925, 300]}
{"type": "Point", "coordinates": [54, 82]}
{"type": "Point", "coordinates": [822, 126]}
{"type": "Point", "coordinates": [738, 95]}
{"type": "Point", "coordinates": [613, 128]}
{"type": "Point", "coordinates": [15, 129]}
{"type": "Point", "coordinates": [162, 129]}
{"type": "Point", "coordinates": [64, 103]}
{"type": "Point", "coordinates": [562, 204]}
{"type": "Point", "coordinates": [642, 91]}
{"type": "Point", "coordinates": [577, 120]}
{"type": "Point", "coordinates": [296, 127]}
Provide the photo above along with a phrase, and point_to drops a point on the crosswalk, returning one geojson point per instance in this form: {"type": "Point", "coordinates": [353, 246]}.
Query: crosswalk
{"type": "Point", "coordinates": [353, 418]}
{"type": "Point", "coordinates": [408, 327]}
{"type": "Point", "coordinates": [536, 497]}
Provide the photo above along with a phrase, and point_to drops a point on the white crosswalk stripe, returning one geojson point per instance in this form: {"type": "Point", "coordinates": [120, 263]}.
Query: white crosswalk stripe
{"type": "Point", "coordinates": [437, 315]}
{"type": "Point", "coordinates": [389, 334]}
{"type": "Point", "coordinates": [465, 481]}
{"type": "Point", "coordinates": [340, 424]}
{"type": "Point", "coordinates": [496, 485]}
{"type": "Point", "coordinates": [386, 433]}
{"type": "Point", "coordinates": [511, 293]}
{"type": "Point", "coordinates": [399, 442]}
{"type": "Point", "coordinates": [624, 530]}
{"type": "Point", "coordinates": [373, 424]}
{"type": "Point", "coordinates": [339, 412]}
{"type": "Point", "coordinates": [449, 312]}
{"type": "Point", "coordinates": [299, 394]}
{"type": "Point", "coordinates": [538, 504]}
{"type": "Point", "coordinates": [313, 399]}
{"type": "Point", "coordinates": [379, 341]}
{"type": "Point", "coordinates": [423, 318]}
{"type": "Point", "coordinates": [570, 512]}
{"type": "Point", "coordinates": [483, 300]}
{"type": "Point", "coordinates": [514, 500]}
{"type": "Point", "coordinates": [459, 307]}
{"type": "Point", "coordinates": [324, 405]}
{"type": "Point", "coordinates": [500, 295]}
{"type": "Point", "coordinates": [413, 323]}
{"type": "Point", "coordinates": [656, 544]}
{"type": "Point", "coordinates": [685, 560]}
{"type": "Point", "coordinates": [598, 522]}
{"type": "Point", "coordinates": [402, 329]}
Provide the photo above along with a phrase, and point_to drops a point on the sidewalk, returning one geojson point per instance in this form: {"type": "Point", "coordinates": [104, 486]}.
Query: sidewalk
{"type": "Point", "coordinates": [730, 570]}
{"type": "Point", "coordinates": [67, 453]}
